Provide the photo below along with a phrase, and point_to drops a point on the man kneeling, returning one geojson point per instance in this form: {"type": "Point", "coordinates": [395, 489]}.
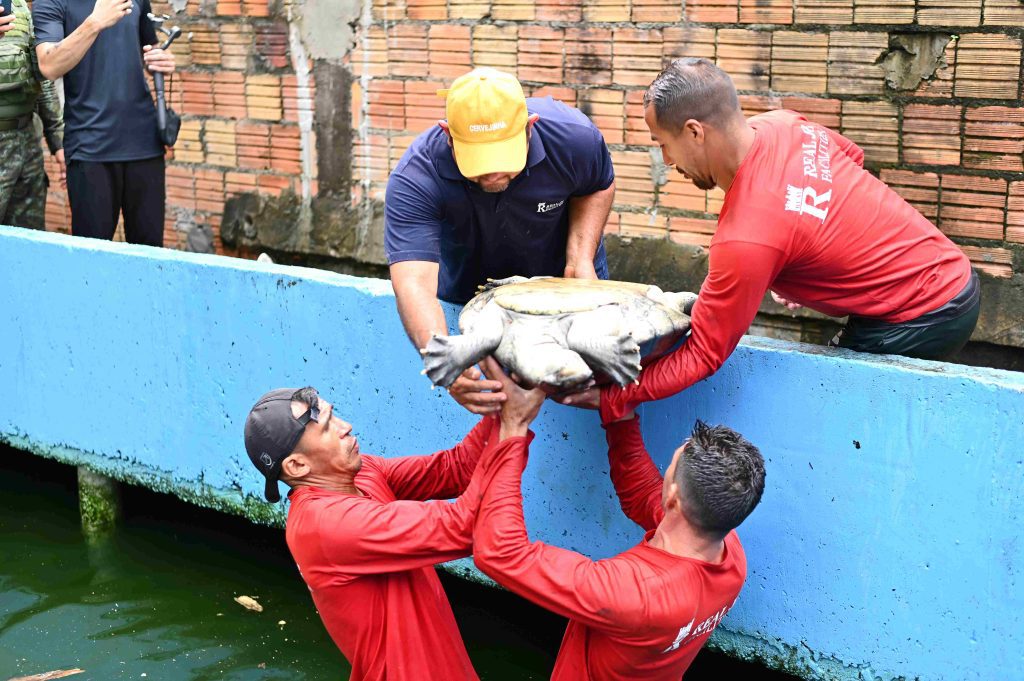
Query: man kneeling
{"type": "Point", "coordinates": [644, 614]}
{"type": "Point", "coordinates": [365, 539]}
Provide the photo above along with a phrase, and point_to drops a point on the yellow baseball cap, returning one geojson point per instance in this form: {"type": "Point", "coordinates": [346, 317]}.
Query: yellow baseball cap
{"type": "Point", "coordinates": [486, 111]}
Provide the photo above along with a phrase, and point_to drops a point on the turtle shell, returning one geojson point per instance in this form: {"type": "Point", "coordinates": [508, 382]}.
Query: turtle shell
{"type": "Point", "coordinates": [556, 296]}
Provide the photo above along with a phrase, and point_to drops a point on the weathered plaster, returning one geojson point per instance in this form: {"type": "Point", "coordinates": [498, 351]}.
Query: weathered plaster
{"type": "Point", "coordinates": [914, 57]}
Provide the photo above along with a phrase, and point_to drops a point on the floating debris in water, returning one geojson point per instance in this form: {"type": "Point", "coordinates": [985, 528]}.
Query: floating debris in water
{"type": "Point", "coordinates": [249, 603]}
{"type": "Point", "coordinates": [47, 676]}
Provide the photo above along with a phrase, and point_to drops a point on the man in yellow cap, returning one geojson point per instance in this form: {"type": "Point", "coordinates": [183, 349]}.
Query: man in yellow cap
{"type": "Point", "coordinates": [504, 186]}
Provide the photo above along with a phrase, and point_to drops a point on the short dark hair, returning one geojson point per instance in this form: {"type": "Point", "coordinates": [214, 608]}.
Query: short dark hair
{"type": "Point", "coordinates": [720, 477]}
{"type": "Point", "coordinates": [305, 395]}
{"type": "Point", "coordinates": [692, 88]}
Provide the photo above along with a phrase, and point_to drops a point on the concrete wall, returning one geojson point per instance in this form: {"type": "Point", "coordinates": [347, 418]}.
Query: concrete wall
{"type": "Point", "coordinates": [888, 544]}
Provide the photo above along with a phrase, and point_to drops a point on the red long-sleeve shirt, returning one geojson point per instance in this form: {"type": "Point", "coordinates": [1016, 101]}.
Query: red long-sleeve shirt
{"type": "Point", "coordinates": [803, 218]}
{"type": "Point", "coordinates": [368, 560]}
{"type": "Point", "coordinates": [640, 616]}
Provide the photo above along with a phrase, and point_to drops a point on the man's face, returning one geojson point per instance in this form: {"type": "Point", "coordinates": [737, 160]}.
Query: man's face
{"type": "Point", "coordinates": [328, 443]}
{"type": "Point", "coordinates": [683, 149]}
{"type": "Point", "coordinates": [493, 183]}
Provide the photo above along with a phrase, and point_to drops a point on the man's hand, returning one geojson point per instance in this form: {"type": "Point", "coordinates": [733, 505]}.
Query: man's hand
{"type": "Point", "coordinates": [521, 407]}
{"type": "Point", "coordinates": [587, 399]}
{"type": "Point", "coordinates": [789, 304]}
{"type": "Point", "coordinates": [6, 23]}
{"type": "Point", "coordinates": [62, 168]}
{"type": "Point", "coordinates": [157, 60]}
{"type": "Point", "coordinates": [469, 391]}
{"type": "Point", "coordinates": [106, 13]}
{"type": "Point", "coordinates": [582, 270]}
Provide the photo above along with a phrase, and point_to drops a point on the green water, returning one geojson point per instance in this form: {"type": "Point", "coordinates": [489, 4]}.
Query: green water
{"type": "Point", "coordinates": [156, 602]}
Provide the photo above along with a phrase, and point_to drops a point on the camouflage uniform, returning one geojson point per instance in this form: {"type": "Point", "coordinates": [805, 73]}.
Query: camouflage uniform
{"type": "Point", "coordinates": [23, 90]}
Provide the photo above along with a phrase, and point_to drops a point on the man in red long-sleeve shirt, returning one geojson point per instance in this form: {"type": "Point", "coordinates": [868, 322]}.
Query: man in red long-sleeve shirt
{"type": "Point", "coordinates": [364, 537]}
{"type": "Point", "coordinates": [802, 218]}
{"type": "Point", "coordinates": [644, 614]}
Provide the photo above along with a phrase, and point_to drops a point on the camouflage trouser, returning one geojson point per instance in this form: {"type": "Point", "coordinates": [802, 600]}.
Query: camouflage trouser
{"type": "Point", "coordinates": [22, 179]}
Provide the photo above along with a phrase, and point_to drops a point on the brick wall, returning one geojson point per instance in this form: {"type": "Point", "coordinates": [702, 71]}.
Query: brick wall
{"type": "Point", "coordinates": [952, 145]}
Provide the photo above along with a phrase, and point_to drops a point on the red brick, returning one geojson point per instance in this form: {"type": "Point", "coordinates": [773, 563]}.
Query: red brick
{"type": "Point", "coordinates": [540, 54]}
{"type": "Point", "coordinates": [559, 10]}
{"type": "Point", "coordinates": [853, 63]}
{"type": "Point", "coordinates": [994, 138]}
{"type": "Point", "coordinates": [713, 11]}
{"type": "Point", "coordinates": [746, 56]}
{"type": "Point", "coordinates": [987, 65]}
{"type": "Point", "coordinates": [766, 11]}
{"type": "Point", "coordinates": [687, 41]}
{"type": "Point", "coordinates": [972, 206]}
{"type": "Point", "coordinates": [1015, 213]}
{"type": "Point", "coordinates": [931, 134]}
{"type": "Point", "coordinates": [588, 56]}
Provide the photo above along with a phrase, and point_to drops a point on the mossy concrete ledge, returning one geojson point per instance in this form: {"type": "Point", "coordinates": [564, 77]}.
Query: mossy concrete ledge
{"type": "Point", "coordinates": [888, 544]}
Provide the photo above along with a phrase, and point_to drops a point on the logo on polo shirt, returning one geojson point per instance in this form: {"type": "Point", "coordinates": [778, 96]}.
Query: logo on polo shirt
{"type": "Point", "coordinates": [545, 207]}
{"type": "Point", "coordinates": [490, 127]}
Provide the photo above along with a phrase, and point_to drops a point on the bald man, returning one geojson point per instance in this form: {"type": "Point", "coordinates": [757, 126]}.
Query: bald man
{"type": "Point", "coordinates": [803, 219]}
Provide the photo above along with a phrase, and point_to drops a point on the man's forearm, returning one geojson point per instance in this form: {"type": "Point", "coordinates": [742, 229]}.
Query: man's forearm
{"type": "Point", "coordinates": [56, 59]}
{"type": "Point", "coordinates": [49, 109]}
{"type": "Point", "coordinates": [587, 217]}
{"type": "Point", "coordinates": [422, 317]}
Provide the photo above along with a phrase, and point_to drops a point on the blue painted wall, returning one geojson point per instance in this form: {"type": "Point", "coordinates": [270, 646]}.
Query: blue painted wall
{"type": "Point", "coordinates": [889, 542]}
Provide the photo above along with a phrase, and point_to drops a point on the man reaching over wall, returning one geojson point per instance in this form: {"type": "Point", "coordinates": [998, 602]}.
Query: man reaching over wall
{"type": "Point", "coordinates": [802, 218]}
{"type": "Point", "coordinates": [642, 615]}
{"type": "Point", "coordinates": [366, 539]}
{"type": "Point", "coordinates": [505, 186]}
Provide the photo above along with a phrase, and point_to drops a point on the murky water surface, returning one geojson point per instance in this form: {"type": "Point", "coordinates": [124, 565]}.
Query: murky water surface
{"type": "Point", "coordinates": [156, 601]}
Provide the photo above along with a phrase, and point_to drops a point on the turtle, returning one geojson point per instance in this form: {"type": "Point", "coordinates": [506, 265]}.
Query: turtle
{"type": "Point", "coordinates": [562, 334]}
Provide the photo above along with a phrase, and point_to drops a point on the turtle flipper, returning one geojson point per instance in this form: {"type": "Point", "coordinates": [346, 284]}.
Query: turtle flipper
{"type": "Point", "coordinates": [605, 347]}
{"type": "Point", "coordinates": [445, 357]}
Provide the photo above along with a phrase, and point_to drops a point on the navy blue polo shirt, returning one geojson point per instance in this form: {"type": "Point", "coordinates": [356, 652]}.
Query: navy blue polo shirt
{"type": "Point", "coordinates": [109, 113]}
{"type": "Point", "coordinates": [433, 213]}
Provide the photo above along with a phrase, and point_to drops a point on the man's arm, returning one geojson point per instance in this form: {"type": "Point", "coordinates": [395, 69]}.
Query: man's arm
{"type": "Point", "coordinates": [442, 475]}
{"type": "Point", "coordinates": [58, 55]}
{"type": "Point", "coordinates": [637, 480]}
{"type": "Point", "coordinates": [560, 580]}
{"type": "Point", "coordinates": [587, 218]}
{"type": "Point", "coordinates": [367, 537]}
{"type": "Point", "coordinates": [590, 203]}
{"type": "Point", "coordinates": [415, 286]}
{"type": "Point", "coordinates": [738, 277]}
{"type": "Point", "coordinates": [50, 112]}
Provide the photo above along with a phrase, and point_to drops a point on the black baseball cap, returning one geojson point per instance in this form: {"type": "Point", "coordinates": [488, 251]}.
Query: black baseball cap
{"type": "Point", "coordinates": [271, 433]}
